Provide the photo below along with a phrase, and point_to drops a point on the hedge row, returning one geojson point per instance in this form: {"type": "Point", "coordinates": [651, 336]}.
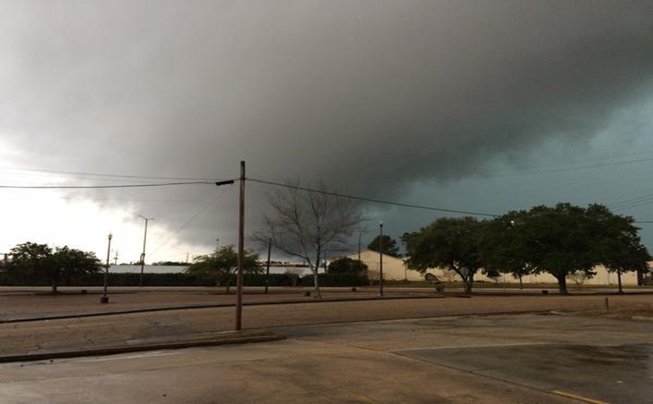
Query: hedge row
{"type": "Point", "coordinates": [182, 279]}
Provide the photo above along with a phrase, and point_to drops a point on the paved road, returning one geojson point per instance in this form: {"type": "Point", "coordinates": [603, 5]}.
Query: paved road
{"type": "Point", "coordinates": [469, 359]}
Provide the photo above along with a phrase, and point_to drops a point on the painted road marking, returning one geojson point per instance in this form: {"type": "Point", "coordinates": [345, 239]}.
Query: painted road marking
{"type": "Point", "coordinates": [121, 357]}
{"type": "Point", "coordinates": [577, 397]}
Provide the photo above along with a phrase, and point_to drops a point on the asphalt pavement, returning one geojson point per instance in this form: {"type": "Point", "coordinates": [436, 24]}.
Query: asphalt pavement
{"type": "Point", "coordinates": [495, 359]}
{"type": "Point", "coordinates": [37, 326]}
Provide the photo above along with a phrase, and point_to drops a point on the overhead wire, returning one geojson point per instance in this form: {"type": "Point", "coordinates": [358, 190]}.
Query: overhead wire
{"type": "Point", "coordinates": [92, 174]}
{"type": "Point", "coordinates": [632, 202]}
{"type": "Point", "coordinates": [186, 223]}
{"type": "Point", "coordinates": [161, 184]}
{"type": "Point", "coordinates": [557, 170]}
{"type": "Point", "coordinates": [380, 201]}
{"type": "Point", "coordinates": [621, 205]}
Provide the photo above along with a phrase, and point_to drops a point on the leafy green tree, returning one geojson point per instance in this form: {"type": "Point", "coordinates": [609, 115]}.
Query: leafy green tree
{"type": "Point", "coordinates": [37, 262]}
{"type": "Point", "coordinates": [347, 265]}
{"type": "Point", "coordinates": [564, 241]}
{"type": "Point", "coordinates": [451, 243]}
{"type": "Point", "coordinates": [223, 264]}
{"type": "Point", "coordinates": [28, 260]}
{"type": "Point", "coordinates": [556, 240]}
{"type": "Point", "coordinates": [388, 244]}
{"type": "Point", "coordinates": [504, 247]}
{"type": "Point", "coordinates": [171, 263]}
{"type": "Point", "coordinates": [68, 264]}
{"type": "Point", "coordinates": [617, 245]}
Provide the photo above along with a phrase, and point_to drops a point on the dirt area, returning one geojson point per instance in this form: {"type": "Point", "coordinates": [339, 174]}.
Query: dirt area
{"type": "Point", "coordinates": [634, 312]}
{"type": "Point", "coordinates": [396, 302]}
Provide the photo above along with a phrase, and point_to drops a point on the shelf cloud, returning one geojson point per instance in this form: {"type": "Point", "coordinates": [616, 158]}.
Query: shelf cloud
{"type": "Point", "coordinates": [369, 96]}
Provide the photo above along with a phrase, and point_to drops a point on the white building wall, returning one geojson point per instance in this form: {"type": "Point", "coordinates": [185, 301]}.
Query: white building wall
{"type": "Point", "coordinates": [394, 269]}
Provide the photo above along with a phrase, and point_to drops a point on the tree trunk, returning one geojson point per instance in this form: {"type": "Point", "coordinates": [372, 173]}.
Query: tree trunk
{"type": "Point", "coordinates": [468, 282]}
{"type": "Point", "coordinates": [621, 290]}
{"type": "Point", "coordinates": [562, 285]}
{"type": "Point", "coordinates": [317, 295]}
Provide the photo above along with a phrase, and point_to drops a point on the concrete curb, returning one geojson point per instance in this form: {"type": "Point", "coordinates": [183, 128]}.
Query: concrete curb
{"type": "Point", "coordinates": [416, 295]}
{"type": "Point", "coordinates": [243, 337]}
{"type": "Point", "coordinates": [202, 306]}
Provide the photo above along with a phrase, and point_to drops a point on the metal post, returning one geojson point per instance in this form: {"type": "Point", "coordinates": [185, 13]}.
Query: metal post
{"type": "Point", "coordinates": [105, 295]}
{"type": "Point", "coordinates": [359, 245]}
{"type": "Point", "coordinates": [241, 248]}
{"type": "Point", "coordinates": [140, 279]}
{"type": "Point", "coordinates": [380, 258]}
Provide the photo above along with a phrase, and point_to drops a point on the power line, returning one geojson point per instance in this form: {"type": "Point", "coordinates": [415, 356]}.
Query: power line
{"type": "Point", "coordinates": [162, 184]}
{"type": "Point", "coordinates": [142, 177]}
{"type": "Point", "coordinates": [183, 226]}
{"type": "Point", "coordinates": [359, 198]}
{"type": "Point", "coordinates": [633, 202]}
{"type": "Point", "coordinates": [557, 170]}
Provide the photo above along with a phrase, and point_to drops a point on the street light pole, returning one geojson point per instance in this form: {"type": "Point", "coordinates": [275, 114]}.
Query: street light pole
{"type": "Point", "coordinates": [267, 267]}
{"type": "Point", "coordinates": [359, 245]}
{"type": "Point", "coordinates": [140, 279]}
{"type": "Point", "coordinates": [381, 259]}
{"type": "Point", "coordinates": [105, 295]}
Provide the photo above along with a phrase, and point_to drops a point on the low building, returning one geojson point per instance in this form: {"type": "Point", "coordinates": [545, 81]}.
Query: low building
{"type": "Point", "coordinates": [394, 269]}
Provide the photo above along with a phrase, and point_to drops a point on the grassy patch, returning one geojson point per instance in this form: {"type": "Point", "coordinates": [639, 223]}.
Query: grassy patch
{"type": "Point", "coordinates": [635, 313]}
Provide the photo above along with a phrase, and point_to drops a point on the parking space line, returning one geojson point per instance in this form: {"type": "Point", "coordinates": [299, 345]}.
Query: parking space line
{"type": "Point", "coordinates": [364, 399]}
{"type": "Point", "coordinates": [577, 397]}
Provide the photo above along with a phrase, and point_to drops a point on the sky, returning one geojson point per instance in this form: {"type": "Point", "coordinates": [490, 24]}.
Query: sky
{"type": "Point", "coordinates": [477, 106]}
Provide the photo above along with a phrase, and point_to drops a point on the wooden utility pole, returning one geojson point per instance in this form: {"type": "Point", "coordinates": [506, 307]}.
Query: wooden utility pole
{"type": "Point", "coordinates": [241, 249]}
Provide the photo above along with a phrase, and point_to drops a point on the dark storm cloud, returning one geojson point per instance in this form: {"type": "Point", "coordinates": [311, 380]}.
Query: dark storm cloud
{"type": "Point", "coordinates": [368, 95]}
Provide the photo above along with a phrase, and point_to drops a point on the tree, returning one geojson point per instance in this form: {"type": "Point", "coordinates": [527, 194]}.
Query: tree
{"type": "Point", "coordinates": [222, 264]}
{"type": "Point", "coordinates": [450, 243]}
{"type": "Point", "coordinates": [347, 265]}
{"type": "Point", "coordinates": [556, 240]}
{"type": "Point", "coordinates": [28, 260]}
{"type": "Point", "coordinates": [564, 241]}
{"type": "Point", "coordinates": [38, 262]}
{"type": "Point", "coordinates": [617, 243]}
{"type": "Point", "coordinates": [70, 263]}
{"type": "Point", "coordinates": [304, 223]}
{"type": "Point", "coordinates": [171, 263]}
{"type": "Point", "coordinates": [388, 244]}
{"type": "Point", "coordinates": [503, 248]}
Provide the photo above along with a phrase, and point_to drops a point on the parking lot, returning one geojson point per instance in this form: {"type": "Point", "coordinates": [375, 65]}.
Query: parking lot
{"type": "Point", "coordinates": [412, 350]}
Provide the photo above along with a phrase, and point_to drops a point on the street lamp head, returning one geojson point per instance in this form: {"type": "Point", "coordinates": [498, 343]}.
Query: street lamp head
{"type": "Point", "coordinates": [110, 236]}
{"type": "Point", "coordinates": [380, 223]}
